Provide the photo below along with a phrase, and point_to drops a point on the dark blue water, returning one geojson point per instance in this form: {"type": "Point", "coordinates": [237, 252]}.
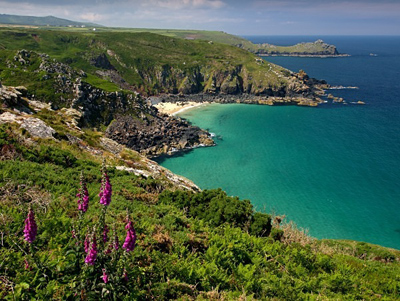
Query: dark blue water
{"type": "Point", "coordinates": [334, 169]}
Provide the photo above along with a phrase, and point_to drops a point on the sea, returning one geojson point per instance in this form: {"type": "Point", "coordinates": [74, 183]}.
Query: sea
{"type": "Point", "coordinates": [333, 170]}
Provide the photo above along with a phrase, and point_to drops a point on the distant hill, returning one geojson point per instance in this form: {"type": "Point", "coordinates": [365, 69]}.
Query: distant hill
{"type": "Point", "coordinates": [314, 49]}
{"type": "Point", "coordinates": [41, 21]}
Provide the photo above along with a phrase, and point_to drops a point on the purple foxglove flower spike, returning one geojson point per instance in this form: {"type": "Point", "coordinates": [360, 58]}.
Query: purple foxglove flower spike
{"type": "Point", "coordinates": [30, 230]}
{"type": "Point", "coordinates": [116, 242]}
{"type": "Point", "coordinates": [86, 243]}
{"type": "Point", "coordinates": [105, 189]}
{"type": "Point", "coordinates": [105, 232]}
{"type": "Point", "coordinates": [130, 240]}
{"type": "Point", "coordinates": [27, 267]}
{"type": "Point", "coordinates": [83, 195]}
{"type": "Point", "coordinates": [105, 276]}
{"type": "Point", "coordinates": [92, 255]}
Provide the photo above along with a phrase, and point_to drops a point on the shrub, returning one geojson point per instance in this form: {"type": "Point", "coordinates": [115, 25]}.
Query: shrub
{"type": "Point", "coordinates": [260, 224]}
{"type": "Point", "coordinates": [277, 234]}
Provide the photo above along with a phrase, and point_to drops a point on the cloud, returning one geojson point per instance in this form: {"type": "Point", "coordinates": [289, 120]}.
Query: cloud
{"type": "Point", "coordinates": [185, 4]}
{"type": "Point", "coordinates": [233, 16]}
{"type": "Point", "coordinates": [92, 17]}
{"type": "Point", "coordinates": [347, 7]}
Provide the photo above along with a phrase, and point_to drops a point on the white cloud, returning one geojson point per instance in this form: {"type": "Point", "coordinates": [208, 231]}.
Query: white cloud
{"type": "Point", "coordinates": [185, 4]}
{"type": "Point", "coordinates": [92, 17]}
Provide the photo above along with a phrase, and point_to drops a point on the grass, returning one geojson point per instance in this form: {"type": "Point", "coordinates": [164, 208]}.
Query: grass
{"type": "Point", "coordinates": [149, 62]}
{"type": "Point", "coordinates": [189, 245]}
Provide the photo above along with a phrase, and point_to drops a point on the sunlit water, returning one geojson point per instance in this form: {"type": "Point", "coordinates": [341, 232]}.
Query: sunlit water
{"type": "Point", "coordinates": [334, 169]}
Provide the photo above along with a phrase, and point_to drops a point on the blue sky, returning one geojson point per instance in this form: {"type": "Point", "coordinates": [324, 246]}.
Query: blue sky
{"type": "Point", "coordinates": [247, 17]}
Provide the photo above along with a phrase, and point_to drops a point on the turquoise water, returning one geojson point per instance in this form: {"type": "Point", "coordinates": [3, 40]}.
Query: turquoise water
{"type": "Point", "coordinates": [334, 169]}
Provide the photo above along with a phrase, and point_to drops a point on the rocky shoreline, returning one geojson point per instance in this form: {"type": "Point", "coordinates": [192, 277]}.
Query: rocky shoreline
{"type": "Point", "coordinates": [307, 55]}
{"type": "Point", "coordinates": [238, 98]}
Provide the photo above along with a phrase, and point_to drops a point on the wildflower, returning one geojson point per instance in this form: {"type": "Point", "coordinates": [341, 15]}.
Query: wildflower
{"type": "Point", "coordinates": [105, 189]}
{"type": "Point", "coordinates": [86, 243]}
{"type": "Point", "coordinates": [125, 275]}
{"type": "Point", "coordinates": [105, 276]}
{"type": "Point", "coordinates": [30, 230]}
{"type": "Point", "coordinates": [130, 240]}
{"type": "Point", "coordinates": [92, 254]}
{"type": "Point", "coordinates": [83, 195]}
{"type": "Point", "coordinates": [108, 250]}
{"type": "Point", "coordinates": [116, 241]}
{"type": "Point", "coordinates": [105, 232]}
{"type": "Point", "coordinates": [27, 267]}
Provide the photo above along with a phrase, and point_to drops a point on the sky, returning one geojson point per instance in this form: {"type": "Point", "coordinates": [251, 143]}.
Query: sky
{"type": "Point", "coordinates": [241, 17]}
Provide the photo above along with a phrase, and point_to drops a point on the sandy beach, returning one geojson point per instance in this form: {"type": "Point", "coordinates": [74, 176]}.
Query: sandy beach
{"type": "Point", "coordinates": [178, 107]}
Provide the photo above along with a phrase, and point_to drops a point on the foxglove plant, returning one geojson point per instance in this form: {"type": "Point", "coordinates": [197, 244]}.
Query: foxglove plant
{"type": "Point", "coordinates": [83, 195]}
{"type": "Point", "coordinates": [115, 240]}
{"type": "Point", "coordinates": [130, 240]}
{"type": "Point", "coordinates": [125, 275]}
{"type": "Point", "coordinates": [86, 243]}
{"type": "Point", "coordinates": [92, 254]}
{"type": "Point", "coordinates": [30, 230]}
{"type": "Point", "coordinates": [105, 232]}
{"type": "Point", "coordinates": [27, 266]}
{"type": "Point", "coordinates": [105, 276]}
{"type": "Point", "coordinates": [105, 189]}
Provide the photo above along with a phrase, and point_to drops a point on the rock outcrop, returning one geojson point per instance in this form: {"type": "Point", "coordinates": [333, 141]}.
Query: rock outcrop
{"type": "Point", "coordinates": [153, 135]}
{"type": "Point", "coordinates": [318, 48]}
{"type": "Point", "coordinates": [35, 126]}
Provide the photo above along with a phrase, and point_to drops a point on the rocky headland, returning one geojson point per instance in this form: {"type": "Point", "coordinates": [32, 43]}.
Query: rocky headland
{"type": "Point", "coordinates": [312, 49]}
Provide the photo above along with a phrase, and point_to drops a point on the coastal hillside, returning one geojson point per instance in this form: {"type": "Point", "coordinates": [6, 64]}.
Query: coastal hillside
{"type": "Point", "coordinates": [317, 48]}
{"type": "Point", "coordinates": [41, 21]}
{"type": "Point", "coordinates": [83, 217]}
{"type": "Point", "coordinates": [152, 64]}
{"type": "Point", "coordinates": [108, 78]}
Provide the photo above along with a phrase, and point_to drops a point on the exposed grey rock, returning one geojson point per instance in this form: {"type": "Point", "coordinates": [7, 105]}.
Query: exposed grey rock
{"type": "Point", "coordinates": [153, 135]}
{"type": "Point", "coordinates": [37, 128]}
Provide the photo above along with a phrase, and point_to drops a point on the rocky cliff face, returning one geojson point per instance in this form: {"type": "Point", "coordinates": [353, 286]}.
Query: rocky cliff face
{"type": "Point", "coordinates": [136, 124]}
{"type": "Point", "coordinates": [131, 121]}
{"type": "Point", "coordinates": [230, 81]}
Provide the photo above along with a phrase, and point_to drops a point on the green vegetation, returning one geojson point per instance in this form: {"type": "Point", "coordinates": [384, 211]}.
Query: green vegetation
{"type": "Point", "coordinates": [57, 24]}
{"type": "Point", "coordinates": [146, 62]}
{"type": "Point", "coordinates": [190, 245]}
{"type": "Point", "coordinates": [40, 21]}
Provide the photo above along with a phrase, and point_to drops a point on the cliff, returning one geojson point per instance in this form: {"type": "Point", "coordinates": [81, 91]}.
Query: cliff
{"type": "Point", "coordinates": [107, 77]}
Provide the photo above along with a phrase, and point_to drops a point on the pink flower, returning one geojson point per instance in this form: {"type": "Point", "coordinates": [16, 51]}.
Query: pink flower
{"type": "Point", "coordinates": [105, 276]}
{"type": "Point", "coordinates": [27, 267]}
{"type": "Point", "coordinates": [83, 196]}
{"type": "Point", "coordinates": [108, 250]}
{"type": "Point", "coordinates": [130, 240]}
{"type": "Point", "coordinates": [105, 232]}
{"type": "Point", "coordinates": [92, 254]}
{"type": "Point", "coordinates": [30, 230]}
{"type": "Point", "coordinates": [116, 242]}
{"type": "Point", "coordinates": [86, 243]}
{"type": "Point", "coordinates": [105, 190]}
